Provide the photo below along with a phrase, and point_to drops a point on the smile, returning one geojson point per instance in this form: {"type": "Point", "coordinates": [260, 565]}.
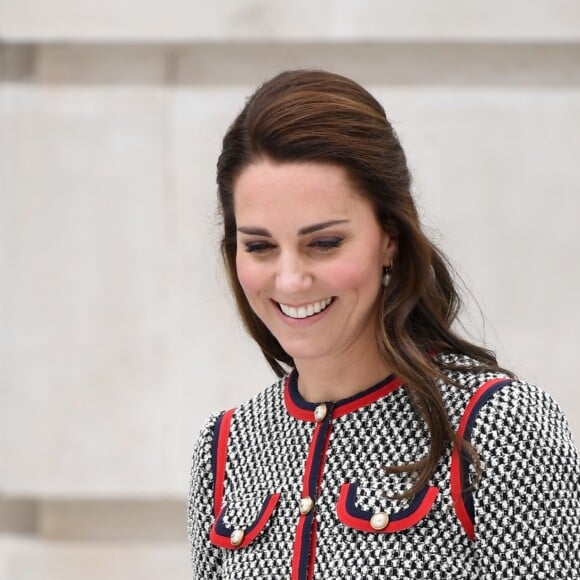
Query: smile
{"type": "Point", "coordinates": [306, 310]}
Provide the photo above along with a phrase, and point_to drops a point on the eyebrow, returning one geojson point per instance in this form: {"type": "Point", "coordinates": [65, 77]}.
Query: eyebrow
{"type": "Point", "coordinates": [253, 231]}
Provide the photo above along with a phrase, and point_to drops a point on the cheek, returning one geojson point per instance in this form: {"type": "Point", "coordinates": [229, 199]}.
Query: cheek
{"type": "Point", "coordinates": [250, 274]}
{"type": "Point", "coordinates": [353, 275]}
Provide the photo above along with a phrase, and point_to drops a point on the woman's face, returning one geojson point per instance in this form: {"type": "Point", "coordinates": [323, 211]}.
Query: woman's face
{"type": "Point", "coordinates": [310, 257]}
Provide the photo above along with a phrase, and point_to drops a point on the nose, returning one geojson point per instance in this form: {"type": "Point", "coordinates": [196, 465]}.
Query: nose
{"type": "Point", "coordinates": [293, 275]}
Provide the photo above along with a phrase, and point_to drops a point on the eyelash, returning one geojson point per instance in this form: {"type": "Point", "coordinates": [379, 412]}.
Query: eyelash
{"type": "Point", "coordinates": [323, 245]}
{"type": "Point", "coordinates": [257, 247]}
{"type": "Point", "coordinates": [327, 243]}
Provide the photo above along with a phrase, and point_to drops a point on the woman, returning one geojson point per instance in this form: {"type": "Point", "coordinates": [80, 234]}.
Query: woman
{"type": "Point", "coordinates": [390, 446]}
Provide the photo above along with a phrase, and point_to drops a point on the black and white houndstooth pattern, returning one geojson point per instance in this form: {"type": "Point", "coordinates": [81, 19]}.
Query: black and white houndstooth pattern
{"type": "Point", "coordinates": [527, 504]}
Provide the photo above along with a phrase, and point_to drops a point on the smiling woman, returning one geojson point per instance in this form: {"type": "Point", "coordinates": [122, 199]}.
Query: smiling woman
{"type": "Point", "coordinates": [390, 446]}
{"type": "Point", "coordinates": [310, 259]}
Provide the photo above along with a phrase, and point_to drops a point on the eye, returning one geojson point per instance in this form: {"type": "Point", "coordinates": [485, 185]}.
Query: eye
{"type": "Point", "coordinates": [258, 247]}
{"type": "Point", "coordinates": [326, 244]}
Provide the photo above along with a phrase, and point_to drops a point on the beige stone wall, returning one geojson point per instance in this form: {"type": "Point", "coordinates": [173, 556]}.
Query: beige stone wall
{"type": "Point", "coordinates": [117, 334]}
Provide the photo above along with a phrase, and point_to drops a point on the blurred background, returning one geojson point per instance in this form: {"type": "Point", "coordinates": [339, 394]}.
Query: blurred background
{"type": "Point", "coordinates": [117, 334]}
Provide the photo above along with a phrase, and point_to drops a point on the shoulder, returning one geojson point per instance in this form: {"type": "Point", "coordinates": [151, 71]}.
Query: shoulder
{"type": "Point", "coordinates": [464, 372]}
{"type": "Point", "coordinates": [524, 447]}
{"type": "Point", "coordinates": [530, 480]}
{"type": "Point", "coordinates": [202, 450]}
{"type": "Point", "coordinates": [521, 414]}
{"type": "Point", "coordinates": [256, 409]}
{"type": "Point", "coordinates": [516, 428]}
{"type": "Point", "coordinates": [264, 403]}
{"type": "Point", "coordinates": [467, 387]}
{"type": "Point", "coordinates": [223, 433]}
{"type": "Point", "coordinates": [496, 405]}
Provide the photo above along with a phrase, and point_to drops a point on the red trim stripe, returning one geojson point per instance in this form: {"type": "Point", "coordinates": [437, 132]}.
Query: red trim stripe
{"type": "Point", "coordinates": [221, 459]}
{"type": "Point", "coordinates": [298, 547]}
{"type": "Point", "coordinates": [364, 525]}
{"type": "Point", "coordinates": [304, 547]}
{"type": "Point", "coordinates": [341, 408]}
{"type": "Point", "coordinates": [250, 534]}
{"type": "Point", "coordinates": [293, 408]}
{"type": "Point", "coordinates": [456, 474]}
{"type": "Point", "coordinates": [359, 402]}
{"type": "Point", "coordinates": [310, 460]}
{"type": "Point", "coordinates": [313, 539]}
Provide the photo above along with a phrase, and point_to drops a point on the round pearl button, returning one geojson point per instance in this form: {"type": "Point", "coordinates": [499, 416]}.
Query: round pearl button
{"type": "Point", "coordinates": [305, 506]}
{"type": "Point", "coordinates": [379, 521]}
{"type": "Point", "coordinates": [320, 413]}
{"type": "Point", "coordinates": [237, 537]}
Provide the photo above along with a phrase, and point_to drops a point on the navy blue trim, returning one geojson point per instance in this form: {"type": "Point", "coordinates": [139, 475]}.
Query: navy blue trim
{"type": "Point", "coordinates": [317, 457]}
{"type": "Point", "coordinates": [299, 401]}
{"type": "Point", "coordinates": [315, 468]}
{"type": "Point", "coordinates": [465, 458]}
{"type": "Point", "coordinates": [295, 395]}
{"type": "Point", "coordinates": [366, 392]}
{"type": "Point", "coordinates": [480, 403]}
{"type": "Point", "coordinates": [222, 530]}
{"type": "Point", "coordinates": [351, 507]}
{"type": "Point", "coordinates": [366, 515]}
{"type": "Point", "coordinates": [305, 546]}
{"type": "Point", "coordinates": [214, 445]}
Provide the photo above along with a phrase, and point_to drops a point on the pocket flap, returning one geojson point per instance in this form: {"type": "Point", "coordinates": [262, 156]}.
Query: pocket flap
{"type": "Point", "coordinates": [383, 522]}
{"type": "Point", "coordinates": [238, 525]}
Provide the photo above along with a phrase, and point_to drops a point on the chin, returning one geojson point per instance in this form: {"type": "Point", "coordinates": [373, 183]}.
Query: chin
{"type": "Point", "coordinates": [305, 351]}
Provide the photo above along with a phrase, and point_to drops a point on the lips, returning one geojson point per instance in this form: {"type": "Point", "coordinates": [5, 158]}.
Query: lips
{"type": "Point", "coordinates": [306, 310]}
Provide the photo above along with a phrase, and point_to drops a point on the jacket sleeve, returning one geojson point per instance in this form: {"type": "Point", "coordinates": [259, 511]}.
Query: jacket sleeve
{"type": "Point", "coordinates": [527, 503]}
{"type": "Point", "coordinates": [205, 557]}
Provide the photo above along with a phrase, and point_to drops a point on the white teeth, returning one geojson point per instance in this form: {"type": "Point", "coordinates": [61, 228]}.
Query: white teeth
{"type": "Point", "coordinates": [305, 311]}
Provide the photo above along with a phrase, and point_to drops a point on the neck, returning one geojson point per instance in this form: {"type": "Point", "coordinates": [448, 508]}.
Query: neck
{"type": "Point", "coordinates": [337, 379]}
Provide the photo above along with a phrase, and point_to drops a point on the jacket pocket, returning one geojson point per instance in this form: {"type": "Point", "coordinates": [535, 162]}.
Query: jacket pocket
{"type": "Point", "coordinates": [241, 520]}
{"type": "Point", "coordinates": [391, 516]}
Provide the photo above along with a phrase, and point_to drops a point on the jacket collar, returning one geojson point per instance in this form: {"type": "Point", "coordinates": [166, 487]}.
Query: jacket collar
{"type": "Point", "coordinates": [299, 408]}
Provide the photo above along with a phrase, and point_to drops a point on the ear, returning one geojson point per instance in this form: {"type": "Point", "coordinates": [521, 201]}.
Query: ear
{"type": "Point", "coordinates": [390, 246]}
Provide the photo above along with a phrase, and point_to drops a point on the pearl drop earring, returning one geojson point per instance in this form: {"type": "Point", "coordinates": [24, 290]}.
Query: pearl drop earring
{"type": "Point", "coordinates": [387, 274]}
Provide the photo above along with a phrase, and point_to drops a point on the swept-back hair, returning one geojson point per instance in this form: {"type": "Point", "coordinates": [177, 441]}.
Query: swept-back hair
{"type": "Point", "coordinates": [317, 116]}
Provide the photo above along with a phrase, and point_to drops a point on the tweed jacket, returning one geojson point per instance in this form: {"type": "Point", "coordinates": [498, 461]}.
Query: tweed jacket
{"type": "Point", "coordinates": [285, 489]}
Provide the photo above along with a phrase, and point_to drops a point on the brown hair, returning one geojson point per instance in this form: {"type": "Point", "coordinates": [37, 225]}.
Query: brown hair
{"type": "Point", "coordinates": [319, 116]}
